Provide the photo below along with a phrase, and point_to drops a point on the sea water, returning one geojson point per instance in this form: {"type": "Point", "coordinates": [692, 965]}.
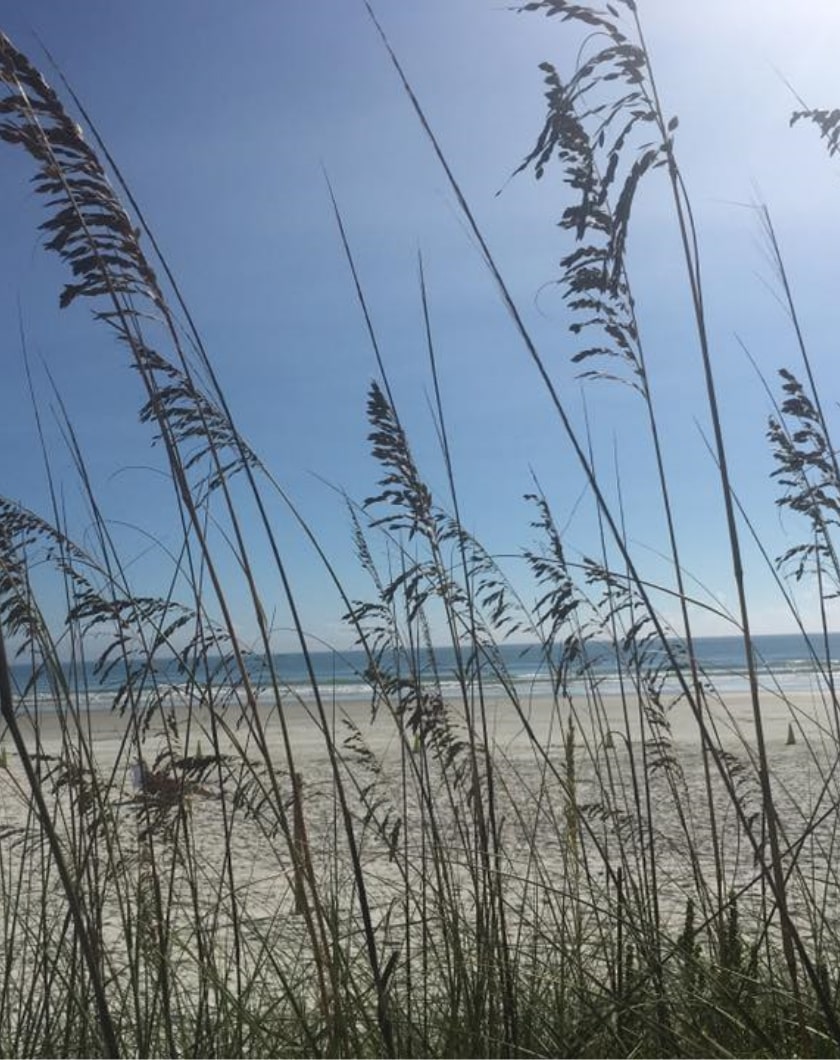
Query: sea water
{"type": "Point", "coordinates": [789, 663]}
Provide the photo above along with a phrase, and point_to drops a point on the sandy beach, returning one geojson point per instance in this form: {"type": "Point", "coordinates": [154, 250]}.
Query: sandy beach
{"type": "Point", "coordinates": [530, 772]}
{"type": "Point", "coordinates": [567, 824]}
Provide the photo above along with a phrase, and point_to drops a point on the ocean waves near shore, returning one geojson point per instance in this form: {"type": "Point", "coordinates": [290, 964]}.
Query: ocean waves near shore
{"type": "Point", "coordinates": [788, 664]}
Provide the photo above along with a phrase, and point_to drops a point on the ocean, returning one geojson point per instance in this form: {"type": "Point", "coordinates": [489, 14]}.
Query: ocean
{"type": "Point", "coordinates": [786, 663]}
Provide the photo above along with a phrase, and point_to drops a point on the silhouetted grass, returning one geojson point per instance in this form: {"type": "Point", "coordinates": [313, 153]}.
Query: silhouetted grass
{"type": "Point", "coordinates": [456, 868]}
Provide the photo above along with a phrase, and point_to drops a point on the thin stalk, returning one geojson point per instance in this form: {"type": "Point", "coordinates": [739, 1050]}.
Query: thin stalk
{"type": "Point", "coordinates": [688, 238]}
{"type": "Point", "coordinates": [509, 998]}
{"type": "Point", "coordinates": [7, 710]}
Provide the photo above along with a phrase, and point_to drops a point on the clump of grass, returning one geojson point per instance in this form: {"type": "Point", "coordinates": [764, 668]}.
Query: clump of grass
{"type": "Point", "coordinates": [441, 892]}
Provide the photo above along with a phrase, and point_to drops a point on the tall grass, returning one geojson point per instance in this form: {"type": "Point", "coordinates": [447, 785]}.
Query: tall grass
{"type": "Point", "coordinates": [184, 876]}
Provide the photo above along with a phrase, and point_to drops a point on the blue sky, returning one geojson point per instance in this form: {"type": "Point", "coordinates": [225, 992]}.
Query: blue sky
{"type": "Point", "coordinates": [222, 115]}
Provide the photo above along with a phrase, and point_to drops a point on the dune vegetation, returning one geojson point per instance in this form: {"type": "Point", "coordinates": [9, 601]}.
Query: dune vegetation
{"type": "Point", "coordinates": [177, 877]}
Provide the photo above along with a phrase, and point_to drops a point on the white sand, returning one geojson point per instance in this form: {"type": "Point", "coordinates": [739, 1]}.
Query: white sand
{"type": "Point", "coordinates": [529, 784]}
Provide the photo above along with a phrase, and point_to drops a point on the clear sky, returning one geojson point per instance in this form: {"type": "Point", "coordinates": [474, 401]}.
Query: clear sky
{"type": "Point", "coordinates": [221, 116]}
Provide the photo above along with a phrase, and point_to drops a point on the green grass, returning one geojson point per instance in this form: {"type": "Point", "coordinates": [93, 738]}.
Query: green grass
{"type": "Point", "coordinates": [430, 890]}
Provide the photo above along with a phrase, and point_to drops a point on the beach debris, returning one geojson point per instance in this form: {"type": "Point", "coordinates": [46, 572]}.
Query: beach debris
{"type": "Point", "coordinates": [162, 786]}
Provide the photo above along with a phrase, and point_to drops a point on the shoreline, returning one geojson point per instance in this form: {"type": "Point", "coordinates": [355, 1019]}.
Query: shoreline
{"type": "Point", "coordinates": [805, 712]}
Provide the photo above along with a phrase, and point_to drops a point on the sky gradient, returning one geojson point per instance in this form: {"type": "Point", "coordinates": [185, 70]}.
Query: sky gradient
{"type": "Point", "coordinates": [223, 118]}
